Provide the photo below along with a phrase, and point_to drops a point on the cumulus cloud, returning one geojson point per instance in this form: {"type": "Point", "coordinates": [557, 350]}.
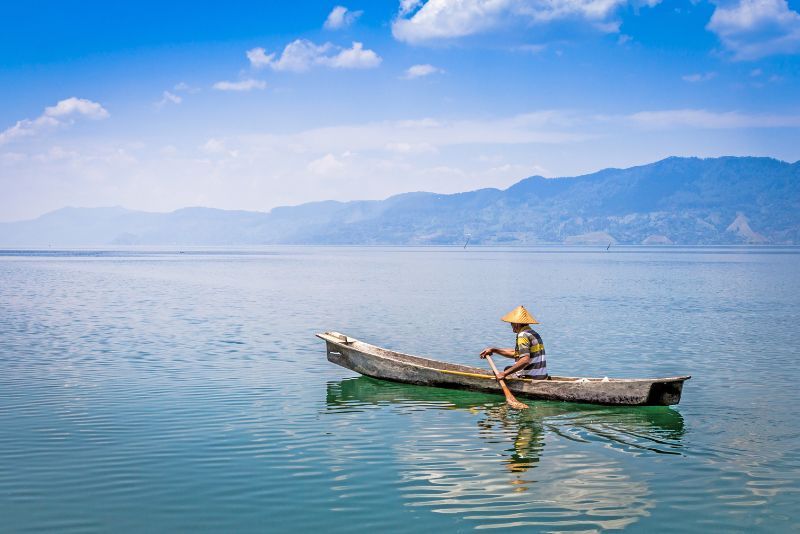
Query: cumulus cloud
{"type": "Point", "coordinates": [699, 77]}
{"type": "Point", "coordinates": [243, 85]}
{"type": "Point", "coordinates": [259, 58]}
{"type": "Point", "coordinates": [65, 112]}
{"type": "Point", "coordinates": [301, 55]}
{"type": "Point", "coordinates": [418, 22]}
{"type": "Point", "coordinates": [77, 106]}
{"type": "Point", "coordinates": [418, 71]}
{"type": "Point", "coordinates": [752, 29]}
{"type": "Point", "coordinates": [298, 56]}
{"type": "Point", "coordinates": [437, 19]}
{"type": "Point", "coordinates": [704, 119]}
{"type": "Point", "coordinates": [341, 17]}
{"type": "Point", "coordinates": [355, 57]}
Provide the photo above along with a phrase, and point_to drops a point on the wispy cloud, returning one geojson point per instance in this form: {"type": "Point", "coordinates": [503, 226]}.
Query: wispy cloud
{"type": "Point", "coordinates": [63, 113]}
{"type": "Point", "coordinates": [242, 85]}
{"type": "Point", "coordinates": [427, 134]}
{"type": "Point", "coordinates": [184, 87]}
{"type": "Point", "coordinates": [301, 55]}
{"type": "Point", "coordinates": [341, 17]}
{"type": "Point", "coordinates": [530, 48]}
{"type": "Point", "coordinates": [167, 98]}
{"type": "Point", "coordinates": [411, 148]}
{"type": "Point", "coordinates": [713, 120]}
{"type": "Point", "coordinates": [419, 71]}
{"type": "Point", "coordinates": [699, 77]}
{"type": "Point", "coordinates": [752, 29]}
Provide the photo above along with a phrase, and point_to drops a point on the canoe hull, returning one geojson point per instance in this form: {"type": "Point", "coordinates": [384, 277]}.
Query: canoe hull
{"type": "Point", "coordinates": [376, 362]}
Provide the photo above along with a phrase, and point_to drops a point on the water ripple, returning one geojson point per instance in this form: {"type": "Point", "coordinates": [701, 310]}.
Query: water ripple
{"type": "Point", "coordinates": [152, 390]}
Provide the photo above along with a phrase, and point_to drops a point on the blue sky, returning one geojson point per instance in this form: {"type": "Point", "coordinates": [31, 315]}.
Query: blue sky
{"type": "Point", "coordinates": [251, 105]}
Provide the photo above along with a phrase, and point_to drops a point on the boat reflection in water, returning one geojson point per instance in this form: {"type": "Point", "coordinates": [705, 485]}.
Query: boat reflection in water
{"type": "Point", "coordinates": [466, 453]}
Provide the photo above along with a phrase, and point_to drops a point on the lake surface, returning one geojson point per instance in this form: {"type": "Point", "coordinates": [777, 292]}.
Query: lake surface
{"type": "Point", "coordinates": [184, 390]}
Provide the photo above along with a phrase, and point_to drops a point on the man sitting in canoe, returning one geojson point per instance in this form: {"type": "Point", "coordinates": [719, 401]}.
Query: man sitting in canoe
{"type": "Point", "coordinates": [528, 351]}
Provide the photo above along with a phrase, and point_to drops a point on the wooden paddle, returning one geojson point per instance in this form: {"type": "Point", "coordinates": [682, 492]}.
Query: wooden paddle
{"type": "Point", "coordinates": [514, 403]}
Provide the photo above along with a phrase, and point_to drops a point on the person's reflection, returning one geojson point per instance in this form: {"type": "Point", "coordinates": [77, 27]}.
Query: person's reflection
{"type": "Point", "coordinates": [527, 439]}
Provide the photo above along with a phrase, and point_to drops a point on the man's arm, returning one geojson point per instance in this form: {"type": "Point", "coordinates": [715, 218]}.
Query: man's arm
{"type": "Point", "coordinates": [488, 351]}
{"type": "Point", "coordinates": [520, 364]}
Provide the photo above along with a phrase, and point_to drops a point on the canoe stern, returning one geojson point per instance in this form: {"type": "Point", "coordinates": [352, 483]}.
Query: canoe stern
{"type": "Point", "coordinates": [665, 393]}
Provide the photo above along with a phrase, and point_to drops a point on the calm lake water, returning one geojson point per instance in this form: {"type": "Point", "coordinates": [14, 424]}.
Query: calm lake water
{"type": "Point", "coordinates": [147, 391]}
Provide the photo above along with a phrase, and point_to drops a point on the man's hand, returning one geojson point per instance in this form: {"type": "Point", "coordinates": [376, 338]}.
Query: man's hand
{"type": "Point", "coordinates": [500, 376]}
{"type": "Point", "coordinates": [486, 352]}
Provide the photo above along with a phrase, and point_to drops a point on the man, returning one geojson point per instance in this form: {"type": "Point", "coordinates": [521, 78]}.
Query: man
{"type": "Point", "coordinates": [528, 351]}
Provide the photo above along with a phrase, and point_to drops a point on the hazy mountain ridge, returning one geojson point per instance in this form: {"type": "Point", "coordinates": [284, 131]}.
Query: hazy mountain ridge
{"type": "Point", "coordinates": [676, 200]}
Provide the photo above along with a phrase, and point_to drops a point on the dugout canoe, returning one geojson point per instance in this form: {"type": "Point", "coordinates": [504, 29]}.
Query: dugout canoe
{"type": "Point", "coordinates": [377, 362]}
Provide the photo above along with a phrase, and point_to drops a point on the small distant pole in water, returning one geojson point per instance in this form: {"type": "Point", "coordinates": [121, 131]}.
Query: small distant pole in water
{"type": "Point", "coordinates": [608, 247]}
{"type": "Point", "coordinates": [467, 242]}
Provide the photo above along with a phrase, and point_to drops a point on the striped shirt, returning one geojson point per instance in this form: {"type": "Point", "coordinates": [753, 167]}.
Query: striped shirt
{"type": "Point", "coordinates": [529, 343]}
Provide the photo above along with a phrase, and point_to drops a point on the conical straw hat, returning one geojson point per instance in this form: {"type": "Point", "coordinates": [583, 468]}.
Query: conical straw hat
{"type": "Point", "coordinates": [519, 315]}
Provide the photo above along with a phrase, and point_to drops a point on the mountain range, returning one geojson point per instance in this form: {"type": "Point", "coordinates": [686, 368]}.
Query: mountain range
{"type": "Point", "coordinates": [686, 201]}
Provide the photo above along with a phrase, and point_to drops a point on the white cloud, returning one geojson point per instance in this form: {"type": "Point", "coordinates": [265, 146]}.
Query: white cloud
{"type": "Point", "coordinates": [185, 88]}
{"type": "Point", "coordinates": [168, 97]}
{"type": "Point", "coordinates": [63, 113]}
{"type": "Point", "coordinates": [418, 71]}
{"type": "Point", "coordinates": [704, 119]}
{"type": "Point", "coordinates": [259, 58]}
{"type": "Point", "coordinates": [699, 77]}
{"type": "Point", "coordinates": [419, 22]}
{"type": "Point", "coordinates": [77, 106]}
{"type": "Point", "coordinates": [437, 19]}
{"type": "Point", "coordinates": [327, 164]}
{"type": "Point", "coordinates": [341, 17]}
{"type": "Point", "coordinates": [298, 56]}
{"type": "Point", "coordinates": [355, 57]}
{"type": "Point", "coordinates": [301, 55]}
{"type": "Point", "coordinates": [752, 29]}
{"type": "Point", "coordinates": [243, 85]}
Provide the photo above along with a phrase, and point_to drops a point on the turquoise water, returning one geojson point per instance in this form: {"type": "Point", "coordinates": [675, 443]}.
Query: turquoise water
{"type": "Point", "coordinates": [160, 391]}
